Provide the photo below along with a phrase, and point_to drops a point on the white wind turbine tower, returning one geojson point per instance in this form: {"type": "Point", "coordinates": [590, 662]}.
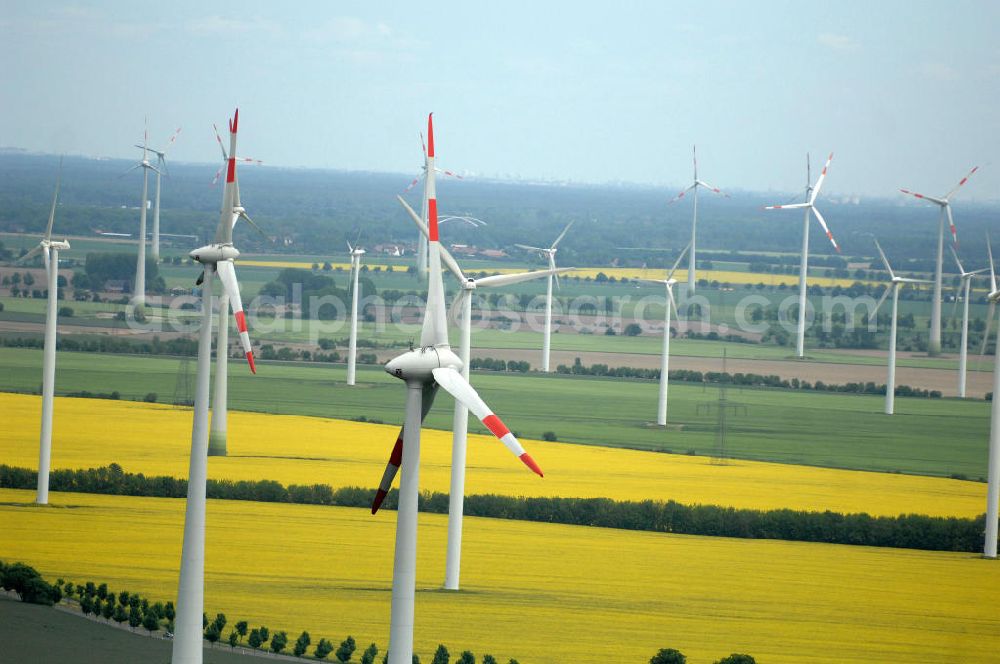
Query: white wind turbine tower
{"type": "Point", "coordinates": [425, 369]}
{"type": "Point", "coordinates": [661, 410]}
{"type": "Point", "coordinates": [49, 249]}
{"type": "Point", "coordinates": [993, 473]}
{"type": "Point", "coordinates": [161, 164]}
{"type": "Point", "coordinates": [139, 292]}
{"type": "Point", "coordinates": [460, 424]}
{"type": "Point", "coordinates": [422, 246]}
{"type": "Point", "coordinates": [218, 258]}
{"type": "Point", "coordinates": [810, 208]}
{"type": "Point", "coordinates": [694, 223]}
{"type": "Point", "coordinates": [964, 288]}
{"type": "Point", "coordinates": [944, 203]}
{"type": "Point", "coordinates": [352, 352]}
{"type": "Point", "coordinates": [550, 254]}
{"type": "Point", "coordinates": [895, 283]}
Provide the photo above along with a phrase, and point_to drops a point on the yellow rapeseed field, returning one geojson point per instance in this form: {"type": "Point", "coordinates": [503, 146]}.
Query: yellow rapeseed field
{"type": "Point", "coordinates": [542, 593]}
{"type": "Point", "coordinates": [155, 439]}
{"type": "Point", "coordinates": [724, 276]}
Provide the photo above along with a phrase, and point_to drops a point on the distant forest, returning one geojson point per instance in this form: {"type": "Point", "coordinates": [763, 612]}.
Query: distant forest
{"type": "Point", "coordinates": [320, 210]}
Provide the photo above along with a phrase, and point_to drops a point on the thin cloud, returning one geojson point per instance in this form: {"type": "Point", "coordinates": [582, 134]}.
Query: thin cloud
{"type": "Point", "coordinates": [224, 25]}
{"type": "Point", "coordinates": [939, 71]}
{"type": "Point", "coordinates": [841, 43]}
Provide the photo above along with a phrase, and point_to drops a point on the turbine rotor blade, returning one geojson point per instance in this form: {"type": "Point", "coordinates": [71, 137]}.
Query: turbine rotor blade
{"type": "Point", "coordinates": [790, 206]}
{"type": "Point", "coordinates": [139, 165]}
{"type": "Point", "coordinates": [993, 271]}
{"type": "Point", "coordinates": [225, 157]}
{"type": "Point", "coordinates": [561, 236]}
{"type": "Point", "coordinates": [434, 330]}
{"type": "Point", "coordinates": [880, 301]}
{"type": "Point", "coordinates": [713, 189]}
{"type": "Point", "coordinates": [243, 215]}
{"type": "Point", "coordinates": [499, 280]}
{"type": "Point", "coordinates": [37, 249]}
{"type": "Point", "coordinates": [396, 457]}
{"type": "Point", "coordinates": [885, 261]}
{"type": "Point", "coordinates": [227, 274]}
{"type": "Point", "coordinates": [923, 197]}
{"type": "Point", "coordinates": [446, 256]}
{"type": "Point", "coordinates": [954, 254]}
{"type": "Point", "coordinates": [681, 195]}
{"type": "Point", "coordinates": [670, 275]}
{"type": "Point", "coordinates": [552, 268]}
{"type": "Point", "coordinates": [961, 183]}
{"type": "Point", "coordinates": [951, 226]}
{"type": "Point", "coordinates": [455, 384]}
{"type": "Point", "coordinates": [55, 198]}
{"type": "Point", "coordinates": [670, 294]}
{"type": "Point", "coordinates": [819, 182]}
{"type": "Point", "coordinates": [826, 229]}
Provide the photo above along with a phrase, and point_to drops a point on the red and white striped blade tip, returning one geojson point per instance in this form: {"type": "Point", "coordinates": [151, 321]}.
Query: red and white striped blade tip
{"type": "Point", "coordinates": [235, 121]}
{"type": "Point", "coordinates": [379, 498]}
{"type": "Point", "coordinates": [253, 367]}
{"type": "Point", "coordinates": [430, 134]}
{"type": "Point", "coordinates": [530, 463]}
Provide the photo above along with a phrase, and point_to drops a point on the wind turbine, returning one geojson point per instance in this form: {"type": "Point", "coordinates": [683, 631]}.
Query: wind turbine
{"type": "Point", "coordinates": [161, 163]}
{"type": "Point", "coordinates": [549, 253]}
{"type": "Point", "coordinates": [139, 292]}
{"type": "Point", "coordinates": [810, 207]}
{"type": "Point", "coordinates": [218, 258]}
{"type": "Point", "coordinates": [895, 283]}
{"type": "Point", "coordinates": [225, 158]}
{"type": "Point", "coordinates": [422, 246]}
{"type": "Point", "coordinates": [944, 203]}
{"type": "Point", "coordinates": [661, 411]}
{"type": "Point", "coordinates": [49, 249]}
{"type": "Point", "coordinates": [993, 473]}
{"type": "Point", "coordinates": [425, 369]}
{"type": "Point", "coordinates": [460, 424]}
{"type": "Point", "coordinates": [218, 434]}
{"type": "Point", "coordinates": [964, 286]}
{"type": "Point", "coordinates": [352, 352]}
{"type": "Point", "coordinates": [694, 223]}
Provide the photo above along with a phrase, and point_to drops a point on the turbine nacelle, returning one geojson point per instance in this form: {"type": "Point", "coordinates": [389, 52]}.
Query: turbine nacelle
{"type": "Point", "coordinates": [215, 253]}
{"type": "Point", "coordinates": [55, 244]}
{"type": "Point", "coordinates": [419, 363]}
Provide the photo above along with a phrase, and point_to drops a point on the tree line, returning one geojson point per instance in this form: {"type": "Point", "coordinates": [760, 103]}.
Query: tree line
{"type": "Point", "coordinates": [908, 531]}
{"type": "Point", "coordinates": [122, 607]}
{"type": "Point", "coordinates": [741, 380]}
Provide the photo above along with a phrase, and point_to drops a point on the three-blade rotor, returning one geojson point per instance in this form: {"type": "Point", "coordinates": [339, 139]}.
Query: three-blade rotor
{"type": "Point", "coordinates": [412, 366]}
{"type": "Point", "coordinates": [810, 204]}
{"type": "Point", "coordinates": [944, 202]}
{"type": "Point", "coordinates": [894, 281]}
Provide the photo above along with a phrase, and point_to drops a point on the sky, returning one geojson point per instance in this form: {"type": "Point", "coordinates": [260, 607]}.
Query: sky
{"type": "Point", "coordinates": [906, 94]}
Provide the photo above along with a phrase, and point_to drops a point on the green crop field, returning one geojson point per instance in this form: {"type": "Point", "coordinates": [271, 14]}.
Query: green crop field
{"type": "Point", "coordinates": [926, 436]}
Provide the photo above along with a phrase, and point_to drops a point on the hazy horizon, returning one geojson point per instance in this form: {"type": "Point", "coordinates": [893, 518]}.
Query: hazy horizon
{"type": "Point", "coordinates": [902, 93]}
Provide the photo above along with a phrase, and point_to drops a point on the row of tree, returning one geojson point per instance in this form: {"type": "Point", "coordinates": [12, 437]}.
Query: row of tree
{"type": "Point", "coordinates": [672, 656]}
{"type": "Point", "coordinates": [491, 364]}
{"type": "Point", "coordinates": [741, 380]}
{"type": "Point", "coordinates": [99, 601]}
{"type": "Point", "coordinates": [909, 531]}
